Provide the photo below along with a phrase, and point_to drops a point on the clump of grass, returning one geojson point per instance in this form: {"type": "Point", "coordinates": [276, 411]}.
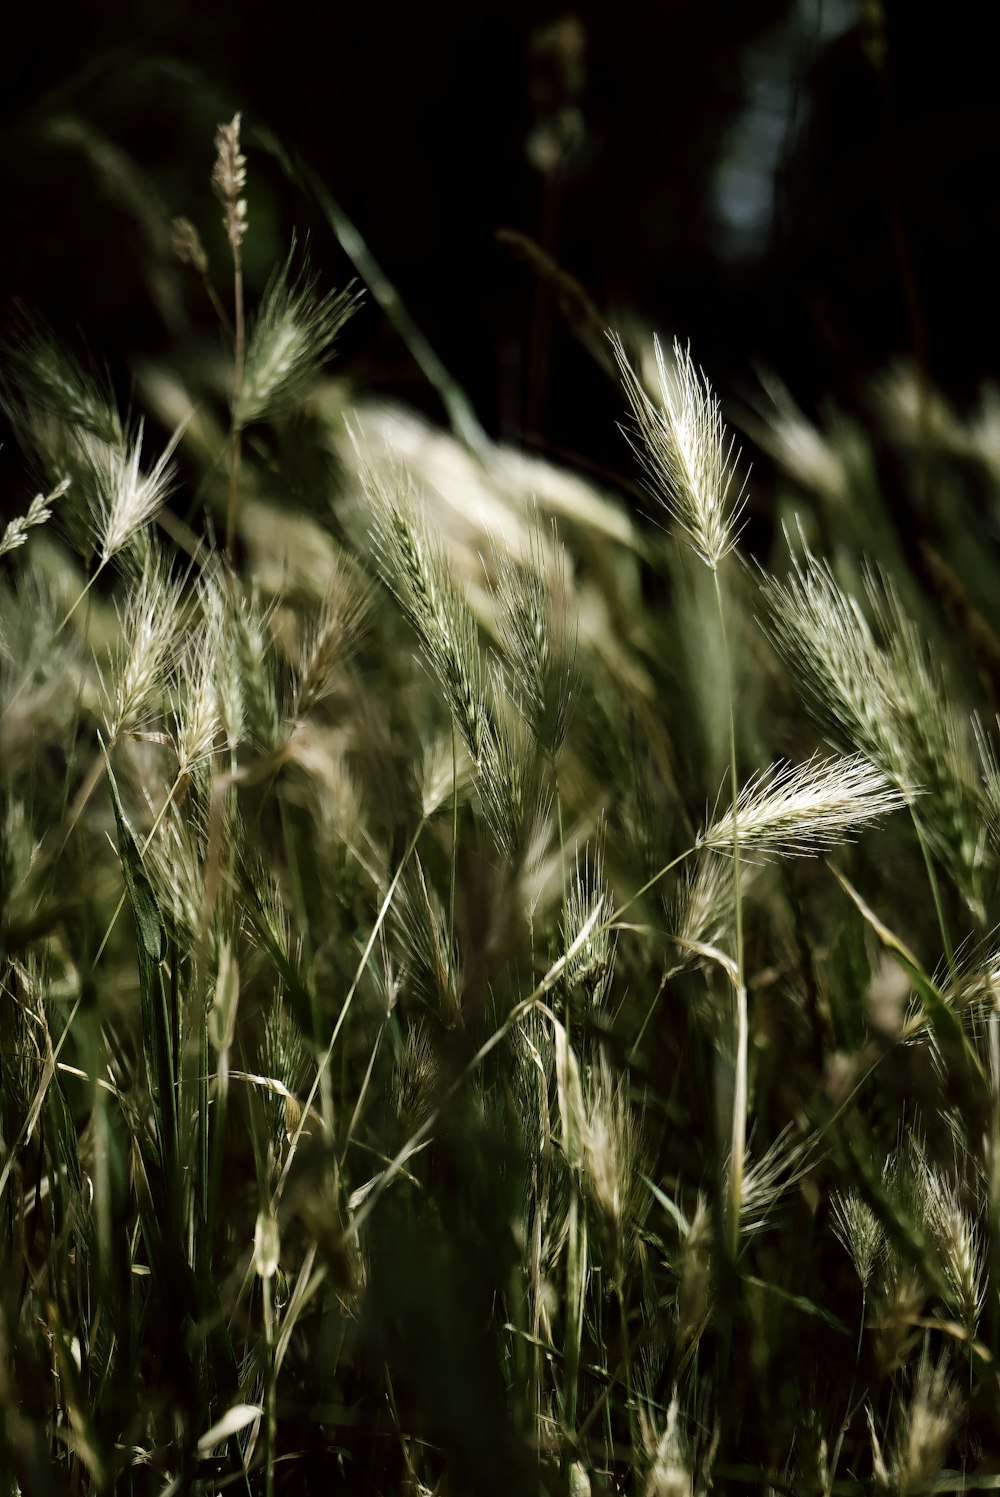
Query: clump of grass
{"type": "Point", "coordinates": [405, 1084]}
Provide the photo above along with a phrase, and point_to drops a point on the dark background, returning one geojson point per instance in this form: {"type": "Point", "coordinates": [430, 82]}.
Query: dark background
{"type": "Point", "coordinates": [811, 186]}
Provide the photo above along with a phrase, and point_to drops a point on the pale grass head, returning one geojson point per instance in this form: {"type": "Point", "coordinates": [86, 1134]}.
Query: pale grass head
{"type": "Point", "coordinates": [927, 1420]}
{"type": "Point", "coordinates": [251, 637]}
{"type": "Point", "coordinates": [416, 1077]}
{"type": "Point", "coordinates": [174, 862]}
{"type": "Point", "coordinates": [293, 332]}
{"type": "Point", "coordinates": [589, 908]}
{"type": "Point", "coordinates": [197, 713]}
{"type": "Point", "coordinates": [415, 568]}
{"type": "Point", "coordinates": [767, 1178]}
{"type": "Point", "coordinates": [802, 810]}
{"type": "Point", "coordinates": [186, 244]}
{"type": "Point", "coordinates": [284, 1062]}
{"type": "Point", "coordinates": [957, 1237]}
{"type": "Point", "coordinates": [445, 772]}
{"type": "Point", "coordinates": [937, 749]}
{"type": "Point", "coordinates": [329, 640]}
{"type": "Point", "coordinates": [151, 629]}
{"type": "Point", "coordinates": [901, 1299]}
{"type": "Point", "coordinates": [884, 698]}
{"type": "Point", "coordinates": [822, 635]}
{"type": "Point", "coordinates": [229, 178]}
{"type": "Point", "coordinates": [426, 957]}
{"type": "Point", "coordinates": [37, 513]}
{"type": "Point", "coordinates": [502, 748]}
{"type": "Point", "coordinates": [124, 497]}
{"type": "Point", "coordinates": [537, 635]}
{"type": "Point", "coordinates": [670, 1470]}
{"type": "Point", "coordinates": [612, 1158]}
{"type": "Point", "coordinates": [812, 457]}
{"type": "Point", "coordinates": [702, 908]}
{"type": "Point", "coordinates": [859, 1231]}
{"type": "Point", "coordinates": [695, 1273]}
{"type": "Point", "coordinates": [514, 793]}
{"type": "Point", "coordinates": [681, 441]}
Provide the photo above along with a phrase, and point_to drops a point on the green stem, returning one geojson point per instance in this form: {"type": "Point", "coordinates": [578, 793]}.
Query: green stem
{"type": "Point", "coordinates": [627, 1358]}
{"type": "Point", "coordinates": [739, 1114]}
{"type": "Point", "coordinates": [270, 1399]}
{"type": "Point", "coordinates": [932, 879]}
{"type": "Point", "coordinates": [454, 852]}
{"type": "Point", "coordinates": [236, 435]}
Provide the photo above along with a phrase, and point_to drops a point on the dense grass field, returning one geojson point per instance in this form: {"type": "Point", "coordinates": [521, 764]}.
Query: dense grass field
{"type": "Point", "coordinates": [499, 985]}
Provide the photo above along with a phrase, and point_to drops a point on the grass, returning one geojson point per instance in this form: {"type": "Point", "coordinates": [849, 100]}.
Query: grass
{"type": "Point", "coordinates": [465, 1028]}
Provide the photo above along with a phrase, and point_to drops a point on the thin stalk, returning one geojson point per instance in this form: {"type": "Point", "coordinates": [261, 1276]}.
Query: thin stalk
{"type": "Point", "coordinates": [932, 879]}
{"type": "Point", "coordinates": [80, 596]}
{"type": "Point", "coordinates": [649, 884]}
{"type": "Point", "coordinates": [270, 1394]}
{"type": "Point", "coordinates": [239, 360]}
{"type": "Point", "coordinates": [739, 1116]}
{"type": "Point", "coordinates": [993, 1175]}
{"type": "Point", "coordinates": [576, 1278]}
{"type": "Point", "coordinates": [454, 848]}
{"type": "Point", "coordinates": [627, 1356]}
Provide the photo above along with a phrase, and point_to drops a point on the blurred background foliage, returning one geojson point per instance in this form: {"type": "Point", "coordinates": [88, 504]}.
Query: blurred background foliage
{"type": "Point", "coordinates": [804, 185]}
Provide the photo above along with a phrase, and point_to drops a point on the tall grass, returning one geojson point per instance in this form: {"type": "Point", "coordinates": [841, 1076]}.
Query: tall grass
{"type": "Point", "coordinates": [465, 1029]}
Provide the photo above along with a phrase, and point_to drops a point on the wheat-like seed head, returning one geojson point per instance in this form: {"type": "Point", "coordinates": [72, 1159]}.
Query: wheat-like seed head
{"type": "Point", "coordinates": [611, 1165]}
{"type": "Point", "coordinates": [537, 637]}
{"type": "Point", "coordinates": [329, 641]}
{"type": "Point", "coordinates": [197, 717]}
{"type": "Point", "coordinates": [39, 510]}
{"type": "Point", "coordinates": [415, 1079]}
{"type": "Point", "coordinates": [126, 499]}
{"type": "Point", "coordinates": [416, 569]}
{"type": "Point", "coordinates": [766, 1179]}
{"type": "Point", "coordinates": [421, 926]}
{"type": "Point", "coordinates": [187, 246]}
{"type": "Point", "coordinates": [701, 911]}
{"type": "Point", "coordinates": [174, 864]}
{"type": "Point", "coordinates": [694, 1285]}
{"type": "Point", "coordinates": [926, 1425]}
{"type": "Point", "coordinates": [253, 644]}
{"type": "Point", "coordinates": [670, 1473]}
{"type": "Point", "coordinates": [445, 770]}
{"type": "Point", "coordinates": [292, 333]}
{"type": "Point", "coordinates": [812, 457]}
{"type": "Point", "coordinates": [956, 1236]}
{"type": "Point", "coordinates": [827, 644]}
{"type": "Point", "coordinates": [229, 178]}
{"type": "Point", "coordinates": [150, 633]}
{"type": "Point", "coordinates": [936, 743]}
{"type": "Point", "coordinates": [858, 1229]}
{"type": "Point", "coordinates": [801, 810]}
{"type": "Point", "coordinates": [589, 907]}
{"type": "Point", "coordinates": [514, 794]}
{"type": "Point", "coordinates": [681, 441]}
